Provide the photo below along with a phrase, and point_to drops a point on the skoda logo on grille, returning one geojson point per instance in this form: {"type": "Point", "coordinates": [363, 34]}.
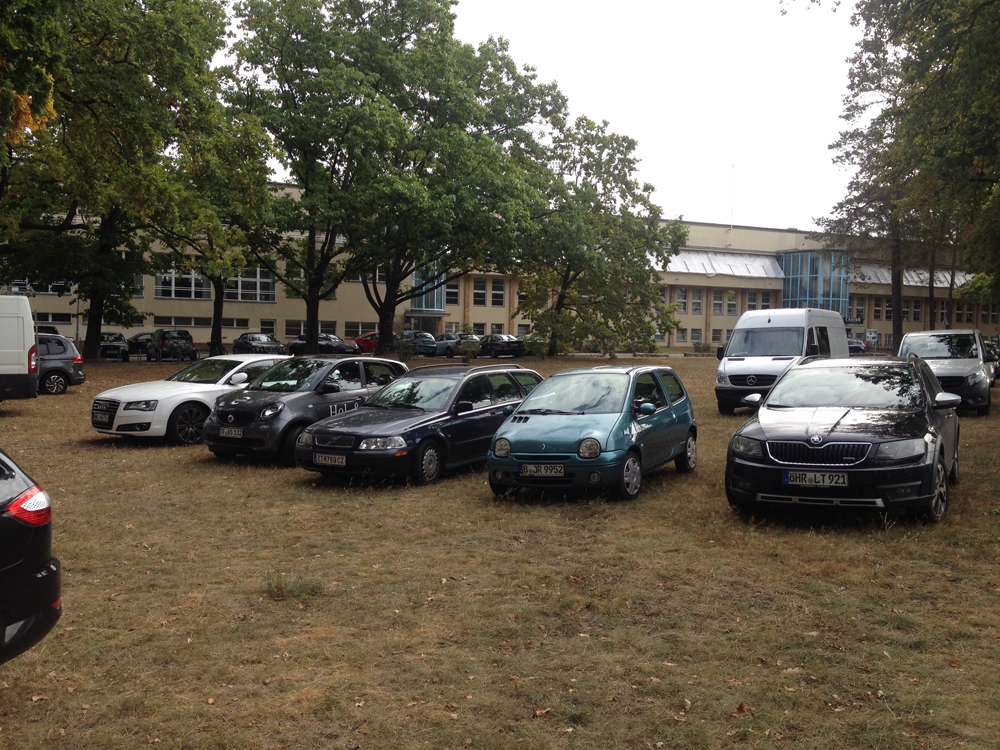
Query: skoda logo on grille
{"type": "Point", "coordinates": [751, 380]}
{"type": "Point", "coordinates": [816, 439]}
{"type": "Point", "coordinates": [230, 418]}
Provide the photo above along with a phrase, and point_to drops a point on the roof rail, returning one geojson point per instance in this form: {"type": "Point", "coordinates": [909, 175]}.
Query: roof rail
{"type": "Point", "coordinates": [456, 365]}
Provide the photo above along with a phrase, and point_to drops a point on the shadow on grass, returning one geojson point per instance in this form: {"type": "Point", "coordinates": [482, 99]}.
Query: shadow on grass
{"type": "Point", "coordinates": [102, 442]}
{"type": "Point", "coordinates": [808, 518]}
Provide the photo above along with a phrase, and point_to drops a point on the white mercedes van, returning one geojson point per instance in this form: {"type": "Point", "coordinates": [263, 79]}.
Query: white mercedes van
{"type": "Point", "coordinates": [765, 343]}
{"type": "Point", "coordinates": [18, 355]}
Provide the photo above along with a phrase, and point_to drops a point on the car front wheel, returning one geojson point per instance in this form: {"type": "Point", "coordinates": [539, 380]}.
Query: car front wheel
{"type": "Point", "coordinates": [938, 507]}
{"type": "Point", "coordinates": [427, 463]}
{"type": "Point", "coordinates": [54, 383]}
{"type": "Point", "coordinates": [630, 477]}
{"type": "Point", "coordinates": [187, 423]}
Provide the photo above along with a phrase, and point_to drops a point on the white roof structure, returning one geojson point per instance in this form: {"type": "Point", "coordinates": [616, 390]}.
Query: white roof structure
{"type": "Point", "coordinates": [875, 274]}
{"type": "Point", "coordinates": [744, 265]}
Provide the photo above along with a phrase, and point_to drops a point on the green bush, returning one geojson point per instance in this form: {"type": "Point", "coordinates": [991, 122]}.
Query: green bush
{"type": "Point", "coordinates": [468, 349]}
{"type": "Point", "coordinates": [404, 350]}
{"type": "Point", "coordinates": [702, 347]}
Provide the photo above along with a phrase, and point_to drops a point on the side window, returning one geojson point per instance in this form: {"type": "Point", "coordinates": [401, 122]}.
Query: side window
{"type": "Point", "coordinates": [823, 339]}
{"type": "Point", "coordinates": [43, 347]}
{"type": "Point", "coordinates": [647, 389]}
{"type": "Point", "coordinates": [378, 374]}
{"type": "Point", "coordinates": [56, 347]}
{"type": "Point", "coordinates": [504, 389]}
{"type": "Point", "coordinates": [477, 391]}
{"type": "Point", "coordinates": [256, 368]}
{"type": "Point", "coordinates": [675, 391]}
{"type": "Point", "coordinates": [347, 376]}
{"type": "Point", "coordinates": [527, 380]}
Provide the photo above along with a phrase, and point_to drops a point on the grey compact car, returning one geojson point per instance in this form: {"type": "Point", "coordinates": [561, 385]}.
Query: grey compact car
{"type": "Point", "coordinates": [267, 417]}
{"type": "Point", "coordinates": [59, 364]}
{"type": "Point", "coordinates": [959, 360]}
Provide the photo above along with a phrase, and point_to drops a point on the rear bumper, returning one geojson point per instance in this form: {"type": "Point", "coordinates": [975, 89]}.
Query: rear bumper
{"type": "Point", "coordinates": [33, 613]}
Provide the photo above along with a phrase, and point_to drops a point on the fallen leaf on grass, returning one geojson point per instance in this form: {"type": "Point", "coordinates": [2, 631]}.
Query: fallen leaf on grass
{"type": "Point", "coordinates": [540, 713]}
{"type": "Point", "coordinates": [36, 698]}
{"type": "Point", "coordinates": [792, 670]}
{"type": "Point", "coordinates": [953, 662]}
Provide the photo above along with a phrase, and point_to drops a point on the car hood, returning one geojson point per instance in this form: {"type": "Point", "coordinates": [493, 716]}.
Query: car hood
{"type": "Point", "coordinates": [953, 367]}
{"type": "Point", "coordinates": [157, 389]}
{"type": "Point", "coordinates": [244, 399]}
{"type": "Point", "coordinates": [836, 423]}
{"type": "Point", "coordinates": [560, 433]}
{"type": "Point", "coordinates": [757, 365]}
{"type": "Point", "coordinates": [371, 420]}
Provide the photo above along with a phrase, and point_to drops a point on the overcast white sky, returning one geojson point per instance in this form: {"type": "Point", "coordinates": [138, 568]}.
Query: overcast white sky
{"type": "Point", "coordinates": [733, 105]}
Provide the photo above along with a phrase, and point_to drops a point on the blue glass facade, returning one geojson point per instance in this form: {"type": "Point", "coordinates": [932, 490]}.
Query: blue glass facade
{"type": "Point", "coordinates": [816, 280]}
{"type": "Point", "coordinates": [433, 301]}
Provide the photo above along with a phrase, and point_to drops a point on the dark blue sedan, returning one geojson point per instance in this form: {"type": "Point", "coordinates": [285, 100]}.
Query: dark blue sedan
{"type": "Point", "coordinates": [598, 428]}
{"type": "Point", "coordinates": [430, 419]}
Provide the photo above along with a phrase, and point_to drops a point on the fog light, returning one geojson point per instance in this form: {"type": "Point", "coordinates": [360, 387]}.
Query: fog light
{"type": "Point", "coordinates": [595, 477]}
{"type": "Point", "coordinates": [498, 475]}
{"type": "Point", "coordinates": [903, 492]}
{"type": "Point", "coordinates": [742, 484]}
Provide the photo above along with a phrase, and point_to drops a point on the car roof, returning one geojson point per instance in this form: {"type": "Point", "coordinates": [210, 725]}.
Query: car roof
{"type": "Point", "coordinates": [614, 369]}
{"type": "Point", "coordinates": [946, 332]}
{"type": "Point", "coordinates": [826, 363]}
{"type": "Point", "coordinates": [457, 371]}
{"type": "Point", "coordinates": [247, 357]}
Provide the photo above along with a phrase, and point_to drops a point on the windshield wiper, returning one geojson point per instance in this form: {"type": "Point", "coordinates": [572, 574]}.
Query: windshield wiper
{"type": "Point", "coordinates": [549, 411]}
{"type": "Point", "coordinates": [401, 405]}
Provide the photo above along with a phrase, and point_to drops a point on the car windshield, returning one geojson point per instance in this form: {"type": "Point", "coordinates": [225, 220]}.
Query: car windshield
{"type": "Point", "coordinates": [112, 337]}
{"type": "Point", "coordinates": [765, 342]}
{"type": "Point", "coordinates": [431, 394]}
{"type": "Point", "coordinates": [580, 393]}
{"type": "Point", "coordinates": [885, 386]}
{"type": "Point", "coordinates": [941, 346]}
{"type": "Point", "coordinates": [297, 374]}
{"type": "Point", "coordinates": [205, 371]}
{"type": "Point", "coordinates": [263, 338]}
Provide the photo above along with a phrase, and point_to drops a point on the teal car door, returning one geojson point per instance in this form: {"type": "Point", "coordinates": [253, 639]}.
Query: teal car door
{"type": "Point", "coordinates": [657, 428]}
{"type": "Point", "coordinates": [680, 404]}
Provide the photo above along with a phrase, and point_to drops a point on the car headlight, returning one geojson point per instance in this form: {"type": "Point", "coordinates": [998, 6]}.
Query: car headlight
{"type": "Point", "coordinates": [589, 448]}
{"type": "Point", "coordinates": [898, 450]}
{"type": "Point", "coordinates": [272, 410]}
{"type": "Point", "coordinates": [140, 406]}
{"type": "Point", "coordinates": [501, 448]}
{"type": "Point", "coordinates": [305, 438]}
{"type": "Point", "coordinates": [721, 379]}
{"type": "Point", "coordinates": [382, 444]}
{"type": "Point", "coordinates": [976, 377]}
{"type": "Point", "coordinates": [747, 446]}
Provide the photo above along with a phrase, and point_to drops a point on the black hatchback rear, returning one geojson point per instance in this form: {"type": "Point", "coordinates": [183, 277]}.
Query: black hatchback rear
{"type": "Point", "coordinates": [29, 574]}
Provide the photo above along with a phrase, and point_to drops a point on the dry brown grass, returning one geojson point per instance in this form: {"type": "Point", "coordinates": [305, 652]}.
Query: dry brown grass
{"type": "Point", "coordinates": [243, 605]}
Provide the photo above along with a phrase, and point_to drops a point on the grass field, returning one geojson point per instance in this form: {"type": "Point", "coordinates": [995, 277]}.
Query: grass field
{"type": "Point", "coordinates": [243, 605]}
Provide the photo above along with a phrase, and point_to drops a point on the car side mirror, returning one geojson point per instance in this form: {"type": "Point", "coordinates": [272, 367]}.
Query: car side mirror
{"type": "Point", "coordinates": [238, 379]}
{"type": "Point", "coordinates": [720, 352]}
{"type": "Point", "coordinates": [990, 357]}
{"type": "Point", "coordinates": [947, 401]}
{"type": "Point", "coordinates": [508, 410]}
{"type": "Point", "coordinates": [753, 400]}
{"type": "Point", "coordinates": [331, 388]}
{"type": "Point", "coordinates": [647, 408]}
{"type": "Point", "coordinates": [463, 406]}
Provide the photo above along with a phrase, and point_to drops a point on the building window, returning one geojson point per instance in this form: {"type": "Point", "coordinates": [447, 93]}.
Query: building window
{"type": "Point", "coordinates": [695, 335]}
{"type": "Point", "coordinates": [876, 308]}
{"type": "Point", "coordinates": [751, 300]}
{"type": "Point", "coordinates": [522, 297]}
{"type": "Point", "coordinates": [57, 318]}
{"type": "Point", "coordinates": [451, 293]}
{"type": "Point", "coordinates": [984, 314]}
{"type": "Point", "coordinates": [379, 276]}
{"type": "Point", "coordinates": [765, 300]}
{"type": "Point", "coordinates": [181, 321]}
{"type": "Point", "coordinates": [479, 328]}
{"type": "Point", "coordinates": [916, 311]}
{"type": "Point", "coordinates": [717, 302]}
{"type": "Point", "coordinates": [729, 334]}
{"type": "Point", "coordinates": [479, 292]}
{"type": "Point", "coordinates": [496, 328]}
{"type": "Point", "coordinates": [328, 326]}
{"type": "Point", "coordinates": [993, 314]}
{"type": "Point", "coordinates": [682, 335]}
{"type": "Point", "coordinates": [716, 335]}
{"type": "Point", "coordinates": [354, 329]}
{"type": "Point", "coordinates": [21, 286]}
{"type": "Point", "coordinates": [498, 294]}
{"type": "Point", "coordinates": [267, 326]}
{"type": "Point", "coordinates": [887, 341]}
{"type": "Point", "coordinates": [295, 328]}
{"type": "Point", "coordinates": [451, 327]}
{"type": "Point", "coordinates": [731, 303]}
{"type": "Point", "coordinates": [523, 329]}
{"type": "Point", "coordinates": [253, 285]}
{"type": "Point", "coordinates": [906, 311]}
{"type": "Point", "coordinates": [695, 303]}
{"type": "Point", "coordinates": [888, 308]}
{"type": "Point", "coordinates": [682, 301]}
{"type": "Point", "coordinates": [189, 285]}
{"type": "Point", "coordinates": [235, 322]}
{"type": "Point", "coordinates": [858, 305]}
{"type": "Point", "coordinates": [970, 315]}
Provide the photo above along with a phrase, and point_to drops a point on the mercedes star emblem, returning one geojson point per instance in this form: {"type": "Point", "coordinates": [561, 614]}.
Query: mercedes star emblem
{"type": "Point", "coordinates": [751, 380]}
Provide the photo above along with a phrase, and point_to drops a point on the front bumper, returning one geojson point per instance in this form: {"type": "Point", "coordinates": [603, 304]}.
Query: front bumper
{"type": "Point", "coordinates": [910, 485]}
{"type": "Point", "coordinates": [262, 437]}
{"type": "Point", "coordinates": [388, 462]}
{"type": "Point", "coordinates": [108, 417]}
{"type": "Point", "coordinates": [578, 473]}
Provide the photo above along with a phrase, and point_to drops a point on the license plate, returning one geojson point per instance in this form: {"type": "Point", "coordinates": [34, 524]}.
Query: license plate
{"type": "Point", "coordinates": [231, 432]}
{"type": "Point", "coordinates": [101, 417]}
{"type": "Point", "coordinates": [815, 478]}
{"type": "Point", "coordinates": [541, 470]}
{"type": "Point", "coordinates": [326, 459]}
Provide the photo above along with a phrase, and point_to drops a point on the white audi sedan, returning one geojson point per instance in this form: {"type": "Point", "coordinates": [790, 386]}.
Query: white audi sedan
{"type": "Point", "coordinates": [176, 407]}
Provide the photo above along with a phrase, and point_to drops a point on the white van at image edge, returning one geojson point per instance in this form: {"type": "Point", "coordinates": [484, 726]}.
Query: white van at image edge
{"type": "Point", "coordinates": [765, 343]}
{"type": "Point", "coordinates": [18, 353]}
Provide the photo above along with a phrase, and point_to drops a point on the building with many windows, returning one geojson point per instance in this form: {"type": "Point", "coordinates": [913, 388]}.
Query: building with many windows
{"type": "Point", "coordinates": [722, 272]}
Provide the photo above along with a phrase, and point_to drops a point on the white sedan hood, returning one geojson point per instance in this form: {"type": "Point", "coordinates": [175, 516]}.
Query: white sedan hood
{"type": "Point", "coordinates": [158, 389]}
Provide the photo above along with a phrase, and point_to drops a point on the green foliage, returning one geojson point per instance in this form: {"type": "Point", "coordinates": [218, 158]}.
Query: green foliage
{"type": "Point", "coordinates": [468, 350]}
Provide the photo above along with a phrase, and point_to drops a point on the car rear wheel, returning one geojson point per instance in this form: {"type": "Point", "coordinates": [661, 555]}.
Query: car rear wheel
{"type": "Point", "coordinates": [427, 463]}
{"type": "Point", "coordinates": [630, 477]}
{"type": "Point", "coordinates": [449, 352]}
{"type": "Point", "coordinates": [689, 458]}
{"type": "Point", "coordinates": [54, 383]}
{"type": "Point", "coordinates": [187, 423]}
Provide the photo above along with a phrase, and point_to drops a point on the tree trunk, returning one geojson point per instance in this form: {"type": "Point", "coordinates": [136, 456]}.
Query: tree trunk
{"type": "Point", "coordinates": [107, 243]}
{"type": "Point", "coordinates": [896, 267]}
{"type": "Point", "coordinates": [930, 287]}
{"type": "Point", "coordinates": [215, 347]}
{"type": "Point", "coordinates": [386, 312]}
{"type": "Point", "coordinates": [312, 323]}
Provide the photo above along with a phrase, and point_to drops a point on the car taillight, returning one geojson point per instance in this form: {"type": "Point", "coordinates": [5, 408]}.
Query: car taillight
{"type": "Point", "coordinates": [77, 360]}
{"type": "Point", "coordinates": [32, 507]}
{"type": "Point", "coordinates": [32, 360]}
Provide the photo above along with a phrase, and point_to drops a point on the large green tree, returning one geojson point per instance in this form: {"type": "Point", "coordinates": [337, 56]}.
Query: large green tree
{"type": "Point", "coordinates": [589, 271]}
{"type": "Point", "coordinates": [404, 146]}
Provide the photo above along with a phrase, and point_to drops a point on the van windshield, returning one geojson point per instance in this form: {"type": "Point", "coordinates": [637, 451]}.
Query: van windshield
{"type": "Point", "coordinates": [765, 342]}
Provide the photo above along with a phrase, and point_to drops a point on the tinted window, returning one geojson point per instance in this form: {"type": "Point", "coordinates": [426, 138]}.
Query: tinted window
{"type": "Point", "coordinates": [347, 376]}
{"type": "Point", "coordinates": [476, 391]}
{"type": "Point", "coordinates": [941, 346]}
{"type": "Point", "coordinates": [377, 373]}
{"type": "Point", "coordinates": [56, 347]}
{"type": "Point", "coordinates": [765, 342]}
{"type": "Point", "coordinates": [675, 391]}
{"type": "Point", "coordinates": [648, 390]}
{"type": "Point", "coordinates": [426, 393]}
{"type": "Point", "coordinates": [504, 388]}
{"type": "Point", "coordinates": [886, 386]}
{"type": "Point", "coordinates": [205, 371]}
{"type": "Point", "coordinates": [290, 375]}
{"type": "Point", "coordinates": [823, 339]}
{"type": "Point", "coordinates": [527, 380]}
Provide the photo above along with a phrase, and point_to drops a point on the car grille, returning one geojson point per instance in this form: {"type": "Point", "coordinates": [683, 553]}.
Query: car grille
{"type": "Point", "coordinates": [102, 413]}
{"type": "Point", "coordinates": [759, 380]}
{"type": "Point", "coordinates": [844, 502]}
{"type": "Point", "coordinates": [106, 405]}
{"type": "Point", "coordinates": [949, 383]}
{"type": "Point", "coordinates": [832, 454]}
{"type": "Point", "coordinates": [229, 418]}
{"type": "Point", "coordinates": [343, 442]}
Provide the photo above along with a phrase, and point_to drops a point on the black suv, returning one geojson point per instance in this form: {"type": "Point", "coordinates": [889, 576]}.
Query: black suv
{"type": "Point", "coordinates": [267, 416]}
{"type": "Point", "coordinates": [165, 341]}
{"type": "Point", "coordinates": [29, 574]}
{"type": "Point", "coordinates": [59, 364]}
{"type": "Point", "coordinates": [114, 346]}
{"type": "Point", "coordinates": [432, 418]}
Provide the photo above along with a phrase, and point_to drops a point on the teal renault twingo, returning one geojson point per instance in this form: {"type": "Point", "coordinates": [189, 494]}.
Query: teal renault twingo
{"type": "Point", "coordinates": [597, 428]}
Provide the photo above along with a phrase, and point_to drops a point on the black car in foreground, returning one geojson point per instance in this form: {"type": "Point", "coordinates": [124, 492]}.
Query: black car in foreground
{"type": "Point", "coordinates": [432, 418]}
{"type": "Point", "coordinates": [871, 433]}
{"type": "Point", "coordinates": [327, 344]}
{"type": "Point", "coordinates": [29, 574]}
{"type": "Point", "coordinates": [267, 416]}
